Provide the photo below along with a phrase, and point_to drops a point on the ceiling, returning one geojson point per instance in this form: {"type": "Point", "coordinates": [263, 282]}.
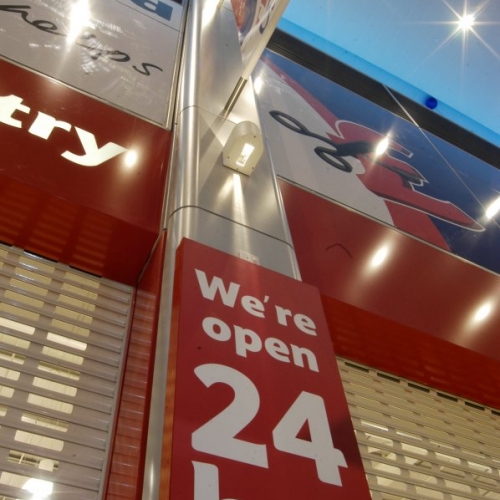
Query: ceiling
{"type": "Point", "coordinates": [415, 47]}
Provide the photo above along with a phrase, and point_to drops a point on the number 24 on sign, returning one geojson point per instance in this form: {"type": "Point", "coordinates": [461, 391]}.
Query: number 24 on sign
{"type": "Point", "coordinates": [217, 436]}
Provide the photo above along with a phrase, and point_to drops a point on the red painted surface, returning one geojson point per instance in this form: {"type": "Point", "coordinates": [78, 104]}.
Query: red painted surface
{"type": "Point", "coordinates": [247, 460]}
{"type": "Point", "coordinates": [396, 348]}
{"type": "Point", "coordinates": [127, 458]}
{"type": "Point", "coordinates": [102, 218]}
{"type": "Point", "coordinates": [413, 314]}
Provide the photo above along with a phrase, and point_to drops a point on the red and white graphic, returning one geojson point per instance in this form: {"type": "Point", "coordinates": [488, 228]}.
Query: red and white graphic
{"type": "Point", "coordinates": [256, 20]}
{"type": "Point", "coordinates": [258, 409]}
{"type": "Point", "coordinates": [353, 164]}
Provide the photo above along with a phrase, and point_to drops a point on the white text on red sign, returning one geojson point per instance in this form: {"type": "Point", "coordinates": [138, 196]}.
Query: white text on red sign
{"type": "Point", "coordinates": [219, 436]}
{"type": "Point", "coordinates": [44, 125]}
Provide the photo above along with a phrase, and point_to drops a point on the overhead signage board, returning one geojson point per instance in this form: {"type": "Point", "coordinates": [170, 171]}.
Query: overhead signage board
{"type": "Point", "coordinates": [341, 146]}
{"type": "Point", "coordinates": [256, 21]}
{"type": "Point", "coordinates": [123, 52]}
{"type": "Point", "coordinates": [258, 408]}
{"type": "Point", "coordinates": [167, 12]}
{"type": "Point", "coordinates": [91, 160]}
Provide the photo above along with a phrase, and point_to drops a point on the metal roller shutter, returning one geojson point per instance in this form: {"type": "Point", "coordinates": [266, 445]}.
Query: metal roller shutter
{"type": "Point", "coordinates": [419, 444]}
{"type": "Point", "coordinates": [61, 347]}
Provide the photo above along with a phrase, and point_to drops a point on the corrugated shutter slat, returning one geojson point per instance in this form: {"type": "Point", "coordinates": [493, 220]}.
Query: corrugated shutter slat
{"type": "Point", "coordinates": [61, 346]}
{"type": "Point", "coordinates": [419, 444]}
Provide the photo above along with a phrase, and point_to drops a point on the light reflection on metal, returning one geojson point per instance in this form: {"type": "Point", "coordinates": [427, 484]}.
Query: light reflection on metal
{"type": "Point", "coordinates": [226, 188]}
{"type": "Point", "coordinates": [210, 9]}
{"type": "Point", "coordinates": [240, 208]}
{"type": "Point", "coordinates": [238, 191]}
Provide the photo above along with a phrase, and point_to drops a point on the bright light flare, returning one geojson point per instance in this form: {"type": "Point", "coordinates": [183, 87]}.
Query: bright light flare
{"type": "Point", "coordinates": [39, 488]}
{"type": "Point", "coordinates": [463, 26]}
{"type": "Point", "coordinates": [131, 158]}
{"type": "Point", "coordinates": [482, 313]}
{"type": "Point", "coordinates": [493, 209]}
{"type": "Point", "coordinates": [382, 146]}
{"type": "Point", "coordinates": [466, 22]}
{"type": "Point", "coordinates": [79, 18]}
{"type": "Point", "coordinates": [258, 84]}
{"type": "Point", "coordinates": [379, 257]}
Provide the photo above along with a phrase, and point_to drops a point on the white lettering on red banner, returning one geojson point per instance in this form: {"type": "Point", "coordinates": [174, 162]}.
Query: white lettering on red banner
{"type": "Point", "coordinates": [259, 411]}
{"type": "Point", "coordinates": [43, 125]}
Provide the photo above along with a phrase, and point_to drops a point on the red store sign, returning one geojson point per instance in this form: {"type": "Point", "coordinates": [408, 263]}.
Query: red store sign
{"type": "Point", "coordinates": [259, 411]}
{"type": "Point", "coordinates": [80, 181]}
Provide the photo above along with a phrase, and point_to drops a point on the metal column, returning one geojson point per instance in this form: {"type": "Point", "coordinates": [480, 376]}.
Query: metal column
{"type": "Point", "coordinates": [208, 202]}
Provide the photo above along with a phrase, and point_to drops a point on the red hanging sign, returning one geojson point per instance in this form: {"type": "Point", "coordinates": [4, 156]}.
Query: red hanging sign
{"type": "Point", "coordinates": [259, 410]}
